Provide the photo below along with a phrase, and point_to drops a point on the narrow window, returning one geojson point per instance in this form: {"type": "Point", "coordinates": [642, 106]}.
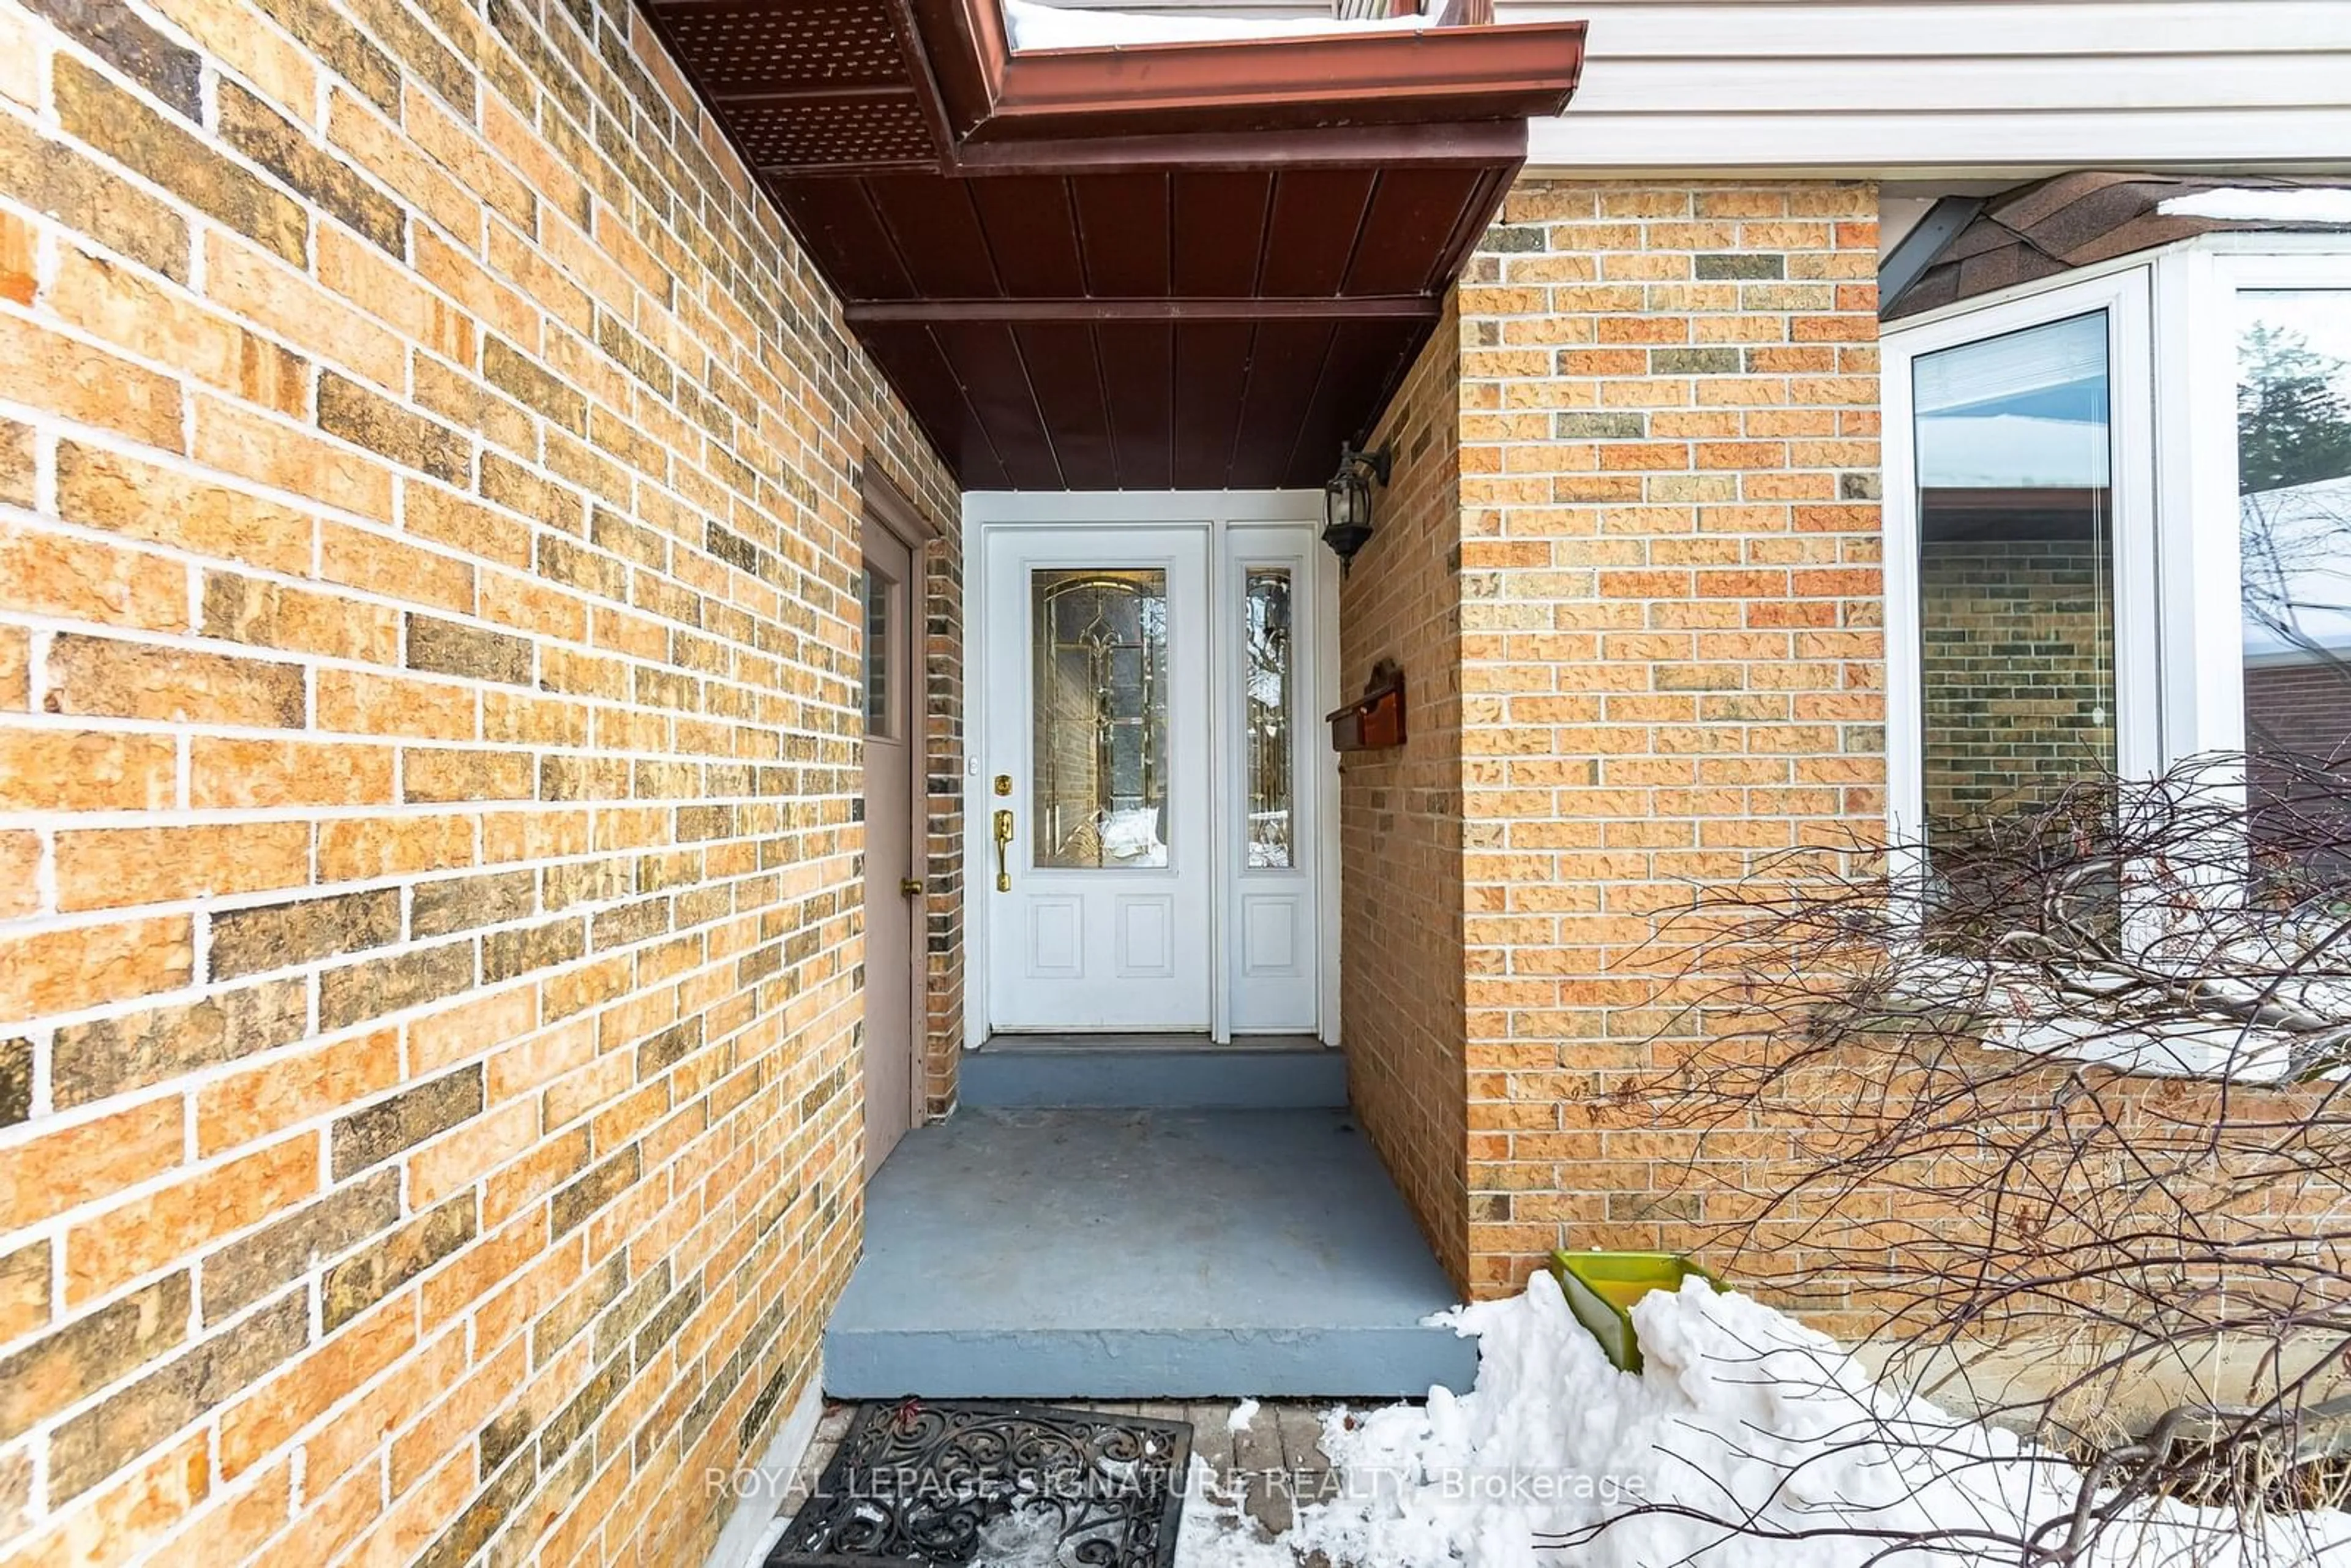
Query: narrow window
{"type": "Point", "coordinates": [1266, 701]}
{"type": "Point", "coordinates": [2293, 485]}
{"type": "Point", "coordinates": [874, 589]}
{"type": "Point", "coordinates": [2016, 585]}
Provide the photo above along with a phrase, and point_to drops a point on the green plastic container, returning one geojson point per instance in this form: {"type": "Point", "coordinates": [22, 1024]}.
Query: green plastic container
{"type": "Point", "coordinates": [1601, 1288]}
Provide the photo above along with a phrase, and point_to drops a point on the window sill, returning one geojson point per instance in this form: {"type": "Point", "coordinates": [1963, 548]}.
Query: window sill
{"type": "Point", "coordinates": [2022, 1011]}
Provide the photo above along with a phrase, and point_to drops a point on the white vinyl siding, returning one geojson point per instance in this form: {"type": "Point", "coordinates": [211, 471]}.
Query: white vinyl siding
{"type": "Point", "coordinates": [1954, 85]}
{"type": "Point", "coordinates": [1921, 88]}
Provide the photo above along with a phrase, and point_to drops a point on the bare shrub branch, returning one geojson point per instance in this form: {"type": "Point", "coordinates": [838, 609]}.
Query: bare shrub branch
{"type": "Point", "coordinates": [2048, 1111]}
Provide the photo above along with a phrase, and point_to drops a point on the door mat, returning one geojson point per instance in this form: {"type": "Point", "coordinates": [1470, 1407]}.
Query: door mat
{"type": "Point", "coordinates": [952, 1482]}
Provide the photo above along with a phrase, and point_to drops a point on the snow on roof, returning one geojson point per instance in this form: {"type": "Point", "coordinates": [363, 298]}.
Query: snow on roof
{"type": "Point", "coordinates": [2241, 204]}
{"type": "Point", "coordinates": [1035, 27]}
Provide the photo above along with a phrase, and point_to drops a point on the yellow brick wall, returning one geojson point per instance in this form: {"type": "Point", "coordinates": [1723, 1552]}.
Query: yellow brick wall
{"type": "Point", "coordinates": [429, 1098]}
{"type": "Point", "coordinates": [1650, 603]}
{"type": "Point", "coordinates": [1401, 1005]}
{"type": "Point", "coordinates": [942, 926]}
{"type": "Point", "coordinates": [1671, 652]}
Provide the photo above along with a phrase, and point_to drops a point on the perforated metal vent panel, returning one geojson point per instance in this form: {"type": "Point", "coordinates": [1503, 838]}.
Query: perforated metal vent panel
{"type": "Point", "coordinates": [803, 84]}
{"type": "Point", "coordinates": [760, 46]}
{"type": "Point", "coordinates": [815, 133]}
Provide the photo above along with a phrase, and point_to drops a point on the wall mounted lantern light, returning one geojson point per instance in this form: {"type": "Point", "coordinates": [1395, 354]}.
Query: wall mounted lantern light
{"type": "Point", "coordinates": [1347, 501]}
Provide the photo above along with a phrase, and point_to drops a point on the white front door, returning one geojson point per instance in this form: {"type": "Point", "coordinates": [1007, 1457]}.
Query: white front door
{"type": "Point", "coordinates": [1101, 872]}
{"type": "Point", "coordinates": [1149, 702]}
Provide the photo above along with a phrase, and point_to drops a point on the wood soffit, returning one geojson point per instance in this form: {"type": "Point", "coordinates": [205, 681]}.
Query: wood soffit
{"type": "Point", "coordinates": [1185, 265]}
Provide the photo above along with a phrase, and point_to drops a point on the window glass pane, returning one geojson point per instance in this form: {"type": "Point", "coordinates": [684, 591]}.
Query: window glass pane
{"type": "Point", "coordinates": [1099, 705]}
{"type": "Point", "coordinates": [1266, 711]}
{"type": "Point", "coordinates": [2294, 481]}
{"type": "Point", "coordinates": [2016, 590]}
{"type": "Point", "coordinates": [875, 591]}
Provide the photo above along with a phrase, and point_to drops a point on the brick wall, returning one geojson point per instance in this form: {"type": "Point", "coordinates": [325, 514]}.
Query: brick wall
{"type": "Point", "coordinates": [1400, 813]}
{"type": "Point", "coordinates": [1671, 633]}
{"type": "Point", "coordinates": [429, 1105]}
{"type": "Point", "coordinates": [1669, 661]}
{"type": "Point", "coordinates": [2017, 660]}
{"type": "Point", "coordinates": [943, 743]}
{"type": "Point", "coordinates": [2302, 708]}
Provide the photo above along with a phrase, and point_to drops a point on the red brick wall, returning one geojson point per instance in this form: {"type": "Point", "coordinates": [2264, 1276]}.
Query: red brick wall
{"type": "Point", "coordinates": [429, 1100]}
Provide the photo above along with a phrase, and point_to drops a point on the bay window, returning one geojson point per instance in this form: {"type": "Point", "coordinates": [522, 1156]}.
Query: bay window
{"type": "Point", "coordinates": [2118, 533]}
{"type": "Point", "coordinates": [2293, 499]}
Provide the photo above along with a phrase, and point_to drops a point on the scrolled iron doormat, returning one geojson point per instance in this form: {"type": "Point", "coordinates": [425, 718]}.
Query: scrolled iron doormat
{"type": "Point", "coordinates": [942, 1482]}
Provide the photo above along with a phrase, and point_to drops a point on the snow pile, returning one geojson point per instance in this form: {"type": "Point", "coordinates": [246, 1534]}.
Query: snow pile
{"type": "Point", "coordinates": [1242, 1415]}
{"type": "Point", "coordinates": [2254, 204]}
{"type": "Point", "coordinates": [1217, 1533]}
{"type": "Point", "coordinates": [1036, 26]}
{"type": "Point", "coordinates": [1025, 1538]}
{"type": "Point", "coordinates": [1740, 1413]}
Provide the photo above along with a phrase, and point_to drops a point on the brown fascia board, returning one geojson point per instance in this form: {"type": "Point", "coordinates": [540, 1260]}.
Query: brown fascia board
{"type": "Point", "coordinates": [1513, 72]}
{"type": "Point", "coordinates": [1472, 144]}
{"type": "Point", "coordinates": [993, 93]}
{"type": "Point", "coordinates": [1475, 144]}
{"type": "Point", "coordinates": [965, 45]}
{"type": "Point", "coordinates": [1187, 308]}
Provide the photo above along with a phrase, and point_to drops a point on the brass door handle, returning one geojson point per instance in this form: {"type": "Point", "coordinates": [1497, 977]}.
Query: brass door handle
{"type": "Point", "coordinates": [1003, 837]}
{"type": "Point", "coordinates": [912, 886]}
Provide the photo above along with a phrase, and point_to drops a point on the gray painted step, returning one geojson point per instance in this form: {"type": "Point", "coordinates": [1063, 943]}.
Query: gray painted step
{"type": "Point", "coordinates": [1153, 1072]}
{"type": "Point", "coordinates": [1140, 1255]}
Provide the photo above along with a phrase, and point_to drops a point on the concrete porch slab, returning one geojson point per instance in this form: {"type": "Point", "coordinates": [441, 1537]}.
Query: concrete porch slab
{"type": "Point", "coordinates": [1278, 1073]}
{"type": "Point", "coordinates": [1141, 1254]}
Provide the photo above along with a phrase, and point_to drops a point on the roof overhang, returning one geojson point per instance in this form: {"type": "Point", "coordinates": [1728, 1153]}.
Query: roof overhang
{"type": "Point", "coordinates": [1967, 247]}
{"type": "Point", "coordinates": [1189, 265]}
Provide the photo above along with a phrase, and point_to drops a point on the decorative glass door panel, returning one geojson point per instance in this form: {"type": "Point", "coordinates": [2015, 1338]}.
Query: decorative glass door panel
{"type": "Point", "coordinates": [1098, 701]}
{"type": "Point", "coordinates": [1266, 738]}
{"type": "Point", "coordinates": [1274, 937]}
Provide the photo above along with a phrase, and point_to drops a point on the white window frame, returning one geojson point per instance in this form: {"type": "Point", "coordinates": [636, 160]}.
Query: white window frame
{"type": "Point", "coordinates": [2207, 629]}
{"type": "Point", "coordinates": [2172, 378]}
{"type": "Point", "coordinates": [2124, 296]}
{"type": "Point", "coordinates": [2173, 319]}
